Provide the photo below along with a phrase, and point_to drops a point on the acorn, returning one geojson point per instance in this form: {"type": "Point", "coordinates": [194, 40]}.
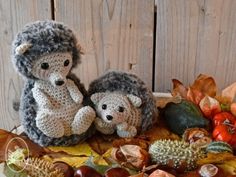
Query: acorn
{"type": "Point", "coordinates": [117, 172]}
{"type": "Point", "coordinates": [86, 171]}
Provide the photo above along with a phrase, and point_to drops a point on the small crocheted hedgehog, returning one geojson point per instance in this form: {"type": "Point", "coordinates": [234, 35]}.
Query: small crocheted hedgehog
{"type": "Point", "coordinates": [123, 104]}
{"type": "Point", "coordinates": [52, 110]}
{"type": "Point", "coordinates": [117, 112]}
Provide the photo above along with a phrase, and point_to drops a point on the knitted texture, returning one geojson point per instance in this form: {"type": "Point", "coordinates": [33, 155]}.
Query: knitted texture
{"type": "Point", "coordinates": [42, 37]}
{"type": "Point", "coordinates": [128, 84]}
{"type": "Point", "coordinates": [117, 111]}
{"type": "Point", "coordinates": [52, 109]}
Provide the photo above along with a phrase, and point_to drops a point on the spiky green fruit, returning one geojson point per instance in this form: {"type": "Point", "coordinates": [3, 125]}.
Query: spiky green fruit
{"type": "Point", "coordinates": [175, 154]}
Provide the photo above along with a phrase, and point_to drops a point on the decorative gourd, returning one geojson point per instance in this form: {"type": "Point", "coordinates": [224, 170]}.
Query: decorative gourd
{"type": "Point", "coordinates": [183, 115]}
{"type": "Point", "coordinates": [219, 146]}
{"type": "Point", "coordinates": [175, 154]}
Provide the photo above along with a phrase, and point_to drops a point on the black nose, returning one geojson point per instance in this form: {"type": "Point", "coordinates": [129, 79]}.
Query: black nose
{"type": "Point", "coordinates": [59, 82]}
{"type": "Point", "coordinates": [109, 117]}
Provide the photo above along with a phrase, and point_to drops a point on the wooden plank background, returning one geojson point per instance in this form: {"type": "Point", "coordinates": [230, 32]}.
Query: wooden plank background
{"type": "Point", "coordinates": [116, 34]}
{"type": "Point", "coordinates": [14, 14]}
{"type": "Point", "coordinates": [193, 37]}
{"type": "Point", "coordinates": [181, 40]}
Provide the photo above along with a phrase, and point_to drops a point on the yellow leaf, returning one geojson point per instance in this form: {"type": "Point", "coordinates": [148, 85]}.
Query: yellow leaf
{"type": "Point", "coordinates": [229, 167]}
{"type": "Point", "coordinates": [72, 161]}
{"type": "Point", "coordinates": [107, 154]}
{"type": "Point", "coordinates": [100, 161]}
{"type": "Point", "coordinates": [217, 158]}
{"type": "Point", "coordinates": [80, 149]}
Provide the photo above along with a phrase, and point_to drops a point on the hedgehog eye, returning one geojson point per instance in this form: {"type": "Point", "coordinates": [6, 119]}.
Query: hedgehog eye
{"type": "Point", "coordinates": [121, 109]}
{"type": "Point", "coordinates": [44, 66]}
{"type": "Point", "coordinates": [104, 106]}
{"type": "Point", "coordinates": [66, 63]}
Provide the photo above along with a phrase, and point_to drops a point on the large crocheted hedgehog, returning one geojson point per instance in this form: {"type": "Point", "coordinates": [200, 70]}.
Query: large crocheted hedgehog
{"type": "Point", "coordinates": [123, 104]}
{"type": "Point", "coordinates": [52, 104]}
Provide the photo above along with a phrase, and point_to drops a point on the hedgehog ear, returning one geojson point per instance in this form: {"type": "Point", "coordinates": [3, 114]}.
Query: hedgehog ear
{"type": "Point", "coordinates": [21, 49]}
{"type": "Point", "coordinates": [136, 101]}
{"type": "Point", "coordinates": [96, 97]}
{"type": "Point", "coordinates": [80, 48]}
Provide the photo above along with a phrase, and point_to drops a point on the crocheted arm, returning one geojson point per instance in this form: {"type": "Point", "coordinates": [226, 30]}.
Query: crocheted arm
{"type": "Point", "coordinates": [75, 93]}
{"type": "Point", "coordinates": [103, 127]}
{"type": "Point", "coordinates": [126, 131]}
{"type": "Point", "coordinates": [41, 98]}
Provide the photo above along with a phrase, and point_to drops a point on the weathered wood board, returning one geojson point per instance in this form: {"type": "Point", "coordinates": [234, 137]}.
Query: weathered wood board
{"type": "Point", "coordinates": [193, 37]}
{"type": "Point", "coordinates": [116, 34]}
{"type": "Point", "coordinates": [14, 15]}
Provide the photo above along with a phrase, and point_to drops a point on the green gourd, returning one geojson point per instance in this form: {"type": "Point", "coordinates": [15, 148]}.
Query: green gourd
{"type": "Point", "coordinates": [183, 115]}
{"type": "Point", "coordinates": [219, 146]}
{"type": "Point", "coordinates": [175, 154]}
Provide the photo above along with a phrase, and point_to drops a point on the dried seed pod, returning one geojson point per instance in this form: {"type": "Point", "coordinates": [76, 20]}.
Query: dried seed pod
{"type": "Point", "coordinates": [161, 173]}
{"type": "Point", "coordinates": [198, 137]}
{"type": "Point", "coordinates": [210, 170]}
{"type": "Point", "coordinates": [131, 156]}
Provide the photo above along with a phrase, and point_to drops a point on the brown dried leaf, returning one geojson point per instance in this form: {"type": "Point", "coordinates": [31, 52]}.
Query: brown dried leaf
{"type": "Point", "coordinates": [159, 132]}
{"type": "Point", "coordinates": [132, 141]}
{"type": "Point", "coordinates": [10, 142]}
{"type": "Point", "coordinates": [205, 84]}
{"type": "Point", "coordinates": [131, 156]}
{"type": "Point", "coordinates": [162, 102]}
{"type": "Point", "coordinates": [101, 143]}
{"type": "Point", "coordinates": [230, 92]}
{"type": "Point", "coordinates": [216, 158]}
{"type": "Point", "coordinates": [194, 95]}
{"type": "Point", "coordinates": [225, 161]}
{"type": "Point", "coordinates": [179, 89]}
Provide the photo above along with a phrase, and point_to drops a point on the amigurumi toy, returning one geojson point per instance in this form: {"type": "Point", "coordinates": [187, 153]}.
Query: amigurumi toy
{"type": "Point", "coordinates": [52, 107]}
{"type": "Point", "coordinates": [123, 104]}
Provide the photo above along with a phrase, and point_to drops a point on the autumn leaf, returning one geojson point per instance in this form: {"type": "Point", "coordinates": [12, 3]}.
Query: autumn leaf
{"type": "Point", "coordinates": [205, 84]}
{"type": "Point", "coordinates": [179, 89]}
{"type": "Point", "coordinates": [139, 141]}
{"type": "Point", "coordinates": [10, 142]}
{"type": "Point", "coordinates": [230, 92]}
{"type": "Point", "coordinates": [162, 102]}
{"type": "Point", "coordinates": [225, 160]}
{"type": "Point", "coordinates": [216, 158]}
{"type": "Point", "coordinates": [194, 95]}
{"type": "Point", "coordinates": [77, 150]}
{"type": "Point", "coordinates": [101, 143]}
{"type": "Point", "coordinates": [131, 156]}
{"type": "Point", "coordinates": [159, 132]}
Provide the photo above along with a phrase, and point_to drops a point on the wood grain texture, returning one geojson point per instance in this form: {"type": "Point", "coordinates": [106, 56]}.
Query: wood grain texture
{"type": "Point", "coordinates": [193, 37]}
{"type": "Point", "coordinates": [14, 15]}
{"type": "Point", "coordinates": [116, 34]}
